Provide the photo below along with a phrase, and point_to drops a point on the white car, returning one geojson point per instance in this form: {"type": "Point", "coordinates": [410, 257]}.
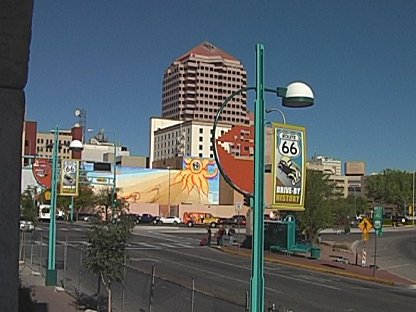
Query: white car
{"type": "Point", "coordinates": [26, 225]}
{"type": "Point", "coordinates": [168, 220]}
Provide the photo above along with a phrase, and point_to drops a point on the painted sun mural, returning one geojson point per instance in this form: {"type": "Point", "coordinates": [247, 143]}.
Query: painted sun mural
{"type": "Point", "coordinates": [196, 175]}
{"type": "Point", "coordinates": [197, 182]}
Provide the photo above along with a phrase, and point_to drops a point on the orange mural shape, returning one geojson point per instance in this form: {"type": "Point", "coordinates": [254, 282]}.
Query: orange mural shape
{"type": "Point", "coordinates": [195, 175]}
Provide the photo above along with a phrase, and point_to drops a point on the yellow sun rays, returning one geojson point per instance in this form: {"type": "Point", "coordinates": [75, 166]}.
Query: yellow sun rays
{"type": "Point", "coordinates": [195, 175]}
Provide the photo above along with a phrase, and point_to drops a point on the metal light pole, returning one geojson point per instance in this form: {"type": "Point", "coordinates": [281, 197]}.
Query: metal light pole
{"type": "Point", "coordinates": [51, 274]}
{"type": "Point", "coordinates": [169, 190]}
{"type": "Point", "coordinates": [277, 110]}
{"type": "Point", "coordinates": [413, 207]}
{"type": "Point", "coordinates": [113, 191]}
{"type": "Point", "coordinates": [75, 146]}
{"type": "Point", "coordinates": [257, 263]}
{"type": "Point", "coordinates": [296, 95]}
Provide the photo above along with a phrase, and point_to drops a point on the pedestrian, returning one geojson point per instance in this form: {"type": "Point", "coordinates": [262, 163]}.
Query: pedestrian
{"type": "Point", "coordinates": [231, 235]}
{"type": "Point", "coordinates": [220, 235]}
{"type": "Point", "coordinates": [209, 237]}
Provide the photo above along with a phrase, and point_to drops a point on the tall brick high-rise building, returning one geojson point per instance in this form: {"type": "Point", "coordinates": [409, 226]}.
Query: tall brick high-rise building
{"type": "Point", "coordinates": [197, 83]}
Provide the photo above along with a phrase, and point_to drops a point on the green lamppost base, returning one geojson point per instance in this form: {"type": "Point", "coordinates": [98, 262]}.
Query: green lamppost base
{"type": "Point", "coordinates": [51, 277]}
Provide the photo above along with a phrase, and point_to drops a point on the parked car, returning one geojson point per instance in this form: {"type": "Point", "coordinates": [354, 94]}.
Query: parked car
{"type": "Point", "coordinates": [235, 220]}
{"type": "Point", "coordinates": [136, 217]}
{"type": "Point", "coordinates": [168, 220]}
{"type": "Point", "coordinates": [26, 225]}
{"type": "Point", "coordinates": [147, 218]}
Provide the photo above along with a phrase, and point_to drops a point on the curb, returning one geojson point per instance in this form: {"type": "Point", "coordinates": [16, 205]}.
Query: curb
{"type": "Point", "coordinates": [315, 268]}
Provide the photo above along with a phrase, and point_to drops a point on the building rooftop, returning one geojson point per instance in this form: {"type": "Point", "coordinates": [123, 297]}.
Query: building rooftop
{"type": "Point", "coordinates": [207, 49]}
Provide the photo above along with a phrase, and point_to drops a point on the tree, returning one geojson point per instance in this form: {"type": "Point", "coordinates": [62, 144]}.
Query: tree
{"type": "Point", "coordinates": [29, 210]}
{"type": "Point", "coordinates": [317, 214]}
{"type": "Point", "coordinates": [106, 250]}
{"type": "Point", "coordinates": [86, 198]}
{"type": "Point", "coordinates": [392, 187]}
{"type": "Point", "coordinates": [103, 200]}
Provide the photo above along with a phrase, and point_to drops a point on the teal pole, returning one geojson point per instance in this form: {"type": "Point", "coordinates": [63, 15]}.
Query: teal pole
{"type": "Point", "coordinates": [113, 191]}
{"type": "Point", "coordinates": [51, 276]}
{"type": "Point", "coordinates": [257, 263]}
{"type": "Point", "coordinates": [72, 208]}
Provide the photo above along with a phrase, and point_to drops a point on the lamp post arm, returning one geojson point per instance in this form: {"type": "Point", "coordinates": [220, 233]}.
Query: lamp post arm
{"type": "Point", "coordinates": [214, 143]}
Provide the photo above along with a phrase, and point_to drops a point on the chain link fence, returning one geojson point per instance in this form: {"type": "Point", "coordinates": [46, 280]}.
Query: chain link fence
{"type": "Point", "coordinates": [140, 291]}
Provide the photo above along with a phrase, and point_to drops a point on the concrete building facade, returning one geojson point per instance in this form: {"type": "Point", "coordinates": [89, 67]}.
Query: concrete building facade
{"type": "Point", "coordinates": [188, 139]}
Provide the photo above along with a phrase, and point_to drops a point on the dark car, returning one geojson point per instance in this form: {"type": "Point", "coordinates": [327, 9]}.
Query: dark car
{"type": "Point", "coordinates": [235, 220]}
{"type": "Point", "coordinates": [136, 217]}
{"type": "Point", "coordinates": [147, 218]}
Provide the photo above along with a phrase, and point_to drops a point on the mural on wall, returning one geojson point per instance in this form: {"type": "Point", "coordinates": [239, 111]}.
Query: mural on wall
{"type": "Point", "coordinates": [198, 182]}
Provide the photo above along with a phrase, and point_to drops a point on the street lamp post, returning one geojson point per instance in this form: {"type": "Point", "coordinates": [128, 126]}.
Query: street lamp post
{"type": "Point", "coordinates": [51, 276]}
{"type": "Point", "coordinates": [296, 95]}
{"type": "Point", "coordinates": [76, 146]}
{"type": "Point", "coordinates": [277, 110]}
{"type": "Point", "coordinates": [113, 191]}
{"type": "Point", "coordinates": [413, 207]}
{"type": "Point", "coordinates": [169, 190]}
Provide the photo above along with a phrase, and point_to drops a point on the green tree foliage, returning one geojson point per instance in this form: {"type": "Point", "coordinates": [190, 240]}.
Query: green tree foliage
{"type": "Point", "coordinates": [103, 200]}
{"type": "Point", "coordinates": [85, 199]}
{"type": "Point", "coordinates": [106, 250]}
{"type": "Point", "coordinates": [392, 187]}
{"type": "Point", "coordinates": [29, 211]}
{"type": "Point", "coordinates": [317, 214]}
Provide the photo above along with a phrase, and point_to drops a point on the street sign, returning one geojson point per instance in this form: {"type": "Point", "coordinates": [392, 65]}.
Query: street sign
{"type": "Point", "coordinates": [288, 167]}
{"type": "Point", "coordinates": [378, 220]}
{"type": "Point", "coordinates": [365, 226]}
{"type": "Point", "coordinates": [69, 177]}
{"type": "Point", "coordinates": [238, 206]}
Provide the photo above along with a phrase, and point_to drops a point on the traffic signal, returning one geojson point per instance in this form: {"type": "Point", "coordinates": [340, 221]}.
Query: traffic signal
{"type": "Point", "coordinates": [248, 200]}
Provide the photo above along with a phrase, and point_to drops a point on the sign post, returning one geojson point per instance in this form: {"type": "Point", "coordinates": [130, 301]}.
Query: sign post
{"type": "Point", "coordinates": [378, 220]}
{"type": "Point", "coordinates": [365, 227]}
{"type": "Point", "coordinates": [378, 227]}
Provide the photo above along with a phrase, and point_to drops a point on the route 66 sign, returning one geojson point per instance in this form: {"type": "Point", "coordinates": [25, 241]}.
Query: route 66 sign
{"type": "Point", "coordinates": [289, 144]}
{"type": "Point", "coordinates": [69, 177]}
{"type": "Point", "coordinates": [288, 167]}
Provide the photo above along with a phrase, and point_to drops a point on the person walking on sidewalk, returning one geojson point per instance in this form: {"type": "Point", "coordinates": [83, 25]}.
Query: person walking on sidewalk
{"type": "Point", "coordinates": [209, 236]}
{"type": "Point", "coordinates": [231, 235]}
{"type": "Point", "coordinates": [220, 234]}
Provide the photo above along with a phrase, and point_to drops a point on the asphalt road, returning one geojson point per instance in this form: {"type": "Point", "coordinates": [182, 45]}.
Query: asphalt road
{"type": "Point", "coordinates": [394, 251]}
{"type": "Point", "coordinates": [223, 280]}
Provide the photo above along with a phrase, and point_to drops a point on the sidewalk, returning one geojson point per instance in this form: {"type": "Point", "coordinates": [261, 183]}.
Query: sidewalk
{"type": "Point", "coordinates": [47, 298]}
{"type": "Point", "coordinates": [332, 260]}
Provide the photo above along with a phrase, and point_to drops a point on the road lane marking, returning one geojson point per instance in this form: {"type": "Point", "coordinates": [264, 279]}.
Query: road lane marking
{"type": "Point", "coordinates": [396, 266]}
{"type": "Point", "coordinates": [241, 267]}
{"type": "Point", "coordinates": [218, 275]}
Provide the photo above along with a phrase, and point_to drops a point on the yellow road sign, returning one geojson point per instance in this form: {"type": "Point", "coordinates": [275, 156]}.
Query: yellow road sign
{"type": "Point", "coordinates": [365, 226]}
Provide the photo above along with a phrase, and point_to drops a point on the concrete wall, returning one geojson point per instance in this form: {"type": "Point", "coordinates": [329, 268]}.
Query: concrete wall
{"type": "Point", "coordinates": [15, 35]}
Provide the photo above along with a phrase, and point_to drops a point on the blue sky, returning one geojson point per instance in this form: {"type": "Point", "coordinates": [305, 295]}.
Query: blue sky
{"type": "Point", "coordinates": [108, 57]}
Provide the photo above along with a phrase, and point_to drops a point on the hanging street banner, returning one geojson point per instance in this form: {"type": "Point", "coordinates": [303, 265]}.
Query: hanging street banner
{"type": "Point", "coordinates": [69, 177]}
{"type": "Point", "coordinates": [288, 167]}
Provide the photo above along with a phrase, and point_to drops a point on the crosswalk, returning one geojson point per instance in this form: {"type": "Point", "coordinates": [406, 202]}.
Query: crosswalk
{"type": "Point", "coordinates": [155, 240]}
{"type": "Point", "coordinates": [60, 229]}
{"type": "Point", "coordinates": [156, 245]}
